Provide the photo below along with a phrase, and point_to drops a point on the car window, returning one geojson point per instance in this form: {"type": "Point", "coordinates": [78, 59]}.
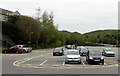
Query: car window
{"type": "Point", "coordinates": [93, 53]}
{"type": "Point", "coordinates": [72, 53]}
{"type": "Point", "coordinates": [58, 49]}
{"type": "Point", "coordinates": [108, 50]}
{"type": "Point", "coordinates": [25, 46]}
{"type": "Point", "coordinates": [83, 49]}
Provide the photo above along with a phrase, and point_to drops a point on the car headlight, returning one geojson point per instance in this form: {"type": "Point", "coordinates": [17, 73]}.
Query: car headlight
{"type": "Point", "coordinates": [102, 57]}
{"type": "Point", "coordinates": [67, 57]}
{"type": "Point", "coordinates": [90, 57]}
{"type": "Point", "coordinates": [60, 51]}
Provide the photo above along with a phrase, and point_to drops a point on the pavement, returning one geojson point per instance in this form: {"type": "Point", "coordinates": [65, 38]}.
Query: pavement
{"type": "Point", "coordinates": [43, 62]}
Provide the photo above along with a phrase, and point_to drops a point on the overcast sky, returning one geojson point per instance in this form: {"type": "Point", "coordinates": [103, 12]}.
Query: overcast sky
{"type": "Point", "coordinates": [72, 15]}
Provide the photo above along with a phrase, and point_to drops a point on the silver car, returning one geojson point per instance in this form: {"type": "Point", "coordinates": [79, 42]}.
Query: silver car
{"type": "Point", "coordinates": [108, 52]}
{"type": "Point", "coordinates": [73, 56]}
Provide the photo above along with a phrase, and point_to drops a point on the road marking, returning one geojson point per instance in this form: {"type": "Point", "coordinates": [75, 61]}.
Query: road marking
{"type": "Point", "coordinates": [105, 63]}
{"type": "Point", "coordinates": [63, 63]}
{"type": "Point", "coordinates": [43, 62]}
{"type": "Point", "coordinates": [55, 65]}
{"type": "Point", "coordinates": [18, 62]}
{"type": "Point", "coordinates": [82, 62]}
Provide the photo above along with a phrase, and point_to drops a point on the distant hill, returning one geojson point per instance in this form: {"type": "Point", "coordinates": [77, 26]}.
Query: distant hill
{"type": "Point", "coordinates": [102, 32]}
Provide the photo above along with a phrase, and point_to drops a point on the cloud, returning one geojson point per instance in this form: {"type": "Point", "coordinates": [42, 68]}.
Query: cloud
{"type": "Point", "coordinates": [73, 15]}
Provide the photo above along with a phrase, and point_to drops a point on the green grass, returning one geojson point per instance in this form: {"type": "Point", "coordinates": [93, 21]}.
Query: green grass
{"type": "Point", "coordinates": [0, 49]}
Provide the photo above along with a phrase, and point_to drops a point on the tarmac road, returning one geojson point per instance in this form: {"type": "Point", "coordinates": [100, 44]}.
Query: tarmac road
{"type": "Point", "coordinates": [42, 62]}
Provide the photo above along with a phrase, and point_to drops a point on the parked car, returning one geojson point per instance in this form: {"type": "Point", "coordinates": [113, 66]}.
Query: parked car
{"type": "Point", "coordinates": [94, 57]}
{"type": "Point", "coordinates": [69, 46]}
{"type": "Point", "coordinates": [83, 51]}
{"type": "Point", "coordinates": [108, 52]}
{"type": "Point", "coordinates": [74, 46]}
{"type": "Point", "coordinates": [73, 56]}
{"type": "Point", "coordinates": [26, 48]}
{"type": "Point", "coordinates": [58, 51]}
{"type": "Point", "coordinates": [14, 49]}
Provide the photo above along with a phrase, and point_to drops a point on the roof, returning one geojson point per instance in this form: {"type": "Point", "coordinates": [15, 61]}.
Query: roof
{"type": "Point", "coordinates": [72, 50]}
{"type": "Point", "coordinates": [5, 12]}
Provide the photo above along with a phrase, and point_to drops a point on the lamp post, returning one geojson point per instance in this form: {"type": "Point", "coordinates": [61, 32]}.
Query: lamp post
{"type": "Point", "coordinates": [30, 38]}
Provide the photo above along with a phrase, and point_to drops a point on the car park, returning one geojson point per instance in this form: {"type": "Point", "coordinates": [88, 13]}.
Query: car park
{"type": "Point", "coordinates": [14, 49]}
{"type": "Point", "coordinates": [83, 51]}
{"type": "Point", "coordinates": [72, 56]}
{"type": "Point", "coordinates": [108, 52]}
{"type": "Point", "coordinates": [26, 48]}
{"type": "Point", "coordinates": [58, 51]}
{"type": "Point", "coordinates": [94, 57]}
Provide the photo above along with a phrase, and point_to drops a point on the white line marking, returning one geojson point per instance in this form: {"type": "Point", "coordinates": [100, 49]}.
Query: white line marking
{"type": "Point", "coordinates": [43, 62]}
{"type": "Point", "coordinates": [63, 63]}
{"type": "Point", "coordinates": [105, 63]}
{"type": "Point", "coordinates": [18, 62]}
{"type": "Point", "coordinates": [82, 62]}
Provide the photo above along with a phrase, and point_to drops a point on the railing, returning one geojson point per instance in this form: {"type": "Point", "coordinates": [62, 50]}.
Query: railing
{"type": "Point", "coordinates": [8, 40]}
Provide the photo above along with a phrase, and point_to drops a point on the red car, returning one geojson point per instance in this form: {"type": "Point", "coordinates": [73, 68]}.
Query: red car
{"type": "Point", "coordinates": [14, 49]}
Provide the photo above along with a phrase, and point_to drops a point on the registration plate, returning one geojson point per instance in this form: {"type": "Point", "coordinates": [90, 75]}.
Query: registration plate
{"type": "Point", "coordinates": [96, 60]}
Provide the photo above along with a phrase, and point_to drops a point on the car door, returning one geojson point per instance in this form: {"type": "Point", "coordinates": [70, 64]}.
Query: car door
{"type": "Point", "coordinates": [103, 52]}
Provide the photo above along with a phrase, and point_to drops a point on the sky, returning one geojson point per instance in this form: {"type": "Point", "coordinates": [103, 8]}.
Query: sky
{"type": "Point", "coordinates": [72, 15]}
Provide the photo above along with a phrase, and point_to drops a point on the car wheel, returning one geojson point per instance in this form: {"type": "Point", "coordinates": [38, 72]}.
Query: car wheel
{"type": "Point", "coordinates": [103, 63]}
{"type": "Point", "coordinates": [79, 62]}
{"type": "Point", "coordinates": [89, 62]}
{"type": "Point", "coordinates": [66, 62]}
{"type": "Point", "coordinates": [5, 52]}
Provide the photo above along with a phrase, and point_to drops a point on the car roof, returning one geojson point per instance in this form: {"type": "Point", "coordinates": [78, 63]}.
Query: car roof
{"type": "Point", "coordinates": [72, 50]}
{"type": "Point", "coordinates": [58, 48]}
{"type": "Point", "coordinates": [82, 47]}
{"type": "Point", "coordinates": [107, 48]}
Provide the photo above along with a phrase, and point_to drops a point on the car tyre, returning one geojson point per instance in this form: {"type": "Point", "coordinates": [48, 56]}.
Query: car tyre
{"type": "Point", "coordinates": [66, 62]}
{"type": "Point", "coordinates": [103, 63]}
{"type": "Point", "coordinates": [5, 52]}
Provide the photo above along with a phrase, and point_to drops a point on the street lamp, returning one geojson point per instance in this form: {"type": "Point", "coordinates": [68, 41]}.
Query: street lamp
{"type": "Point", "coordinates": [30, 38]}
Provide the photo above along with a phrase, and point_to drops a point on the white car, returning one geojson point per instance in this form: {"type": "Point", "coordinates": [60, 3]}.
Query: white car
{"type": "Point", "coordinates": [83, 51]}
{"type": "Point", "coordinates": [108, 52]}
{"type": "Point", "coordinates": [73, 56]}
{"type": "Point", "coordinates": [25, 48]}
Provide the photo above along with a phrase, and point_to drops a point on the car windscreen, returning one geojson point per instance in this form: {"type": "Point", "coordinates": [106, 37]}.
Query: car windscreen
{"type": "Point", "coordinates": [25, 46]}
{"type": "Point", "coordinates": [58, 49]}
{"type": "Point", "coordinates": [72, 53]}
{"type": "Point", "coordinates": [69, 46]}
{"type": "Point", "coordinates": [107, 49]}
{"type": "Point", "coordinates": [94, 53]}
{"type": "Point", "coordinates": [84, 49]}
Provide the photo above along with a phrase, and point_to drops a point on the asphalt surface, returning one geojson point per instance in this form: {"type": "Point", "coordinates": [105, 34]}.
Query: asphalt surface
{"type": "Point", "coordinates": [43, 62]}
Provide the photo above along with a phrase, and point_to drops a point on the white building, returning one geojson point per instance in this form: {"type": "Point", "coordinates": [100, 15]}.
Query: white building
{"type": "Point", "coordinates": [4, 13]}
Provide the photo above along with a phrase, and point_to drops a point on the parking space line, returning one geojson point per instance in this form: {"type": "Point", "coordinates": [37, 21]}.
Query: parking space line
{"type": "Point", "coordinates": [82, 62]}
{"type": "Point", "coordinates": [63, 63]}
{"type": "Point", "coordinates": [43, 62]}
{"type": "Point", "coordinates": [105, 63]}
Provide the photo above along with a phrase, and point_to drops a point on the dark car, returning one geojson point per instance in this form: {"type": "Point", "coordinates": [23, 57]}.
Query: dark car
{"type": "Point", "coordinates": [58, 51]}
{"type": "Point", "coordinates": [83, 51]}
{"type": "Point", "coordinates": [14, 49]}
{"type": "Point", "coordinates": [94, 57]}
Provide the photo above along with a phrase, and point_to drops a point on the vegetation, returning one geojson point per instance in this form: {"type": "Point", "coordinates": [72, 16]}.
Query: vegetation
{"type": "Point", "coordinates": [41, 32]}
